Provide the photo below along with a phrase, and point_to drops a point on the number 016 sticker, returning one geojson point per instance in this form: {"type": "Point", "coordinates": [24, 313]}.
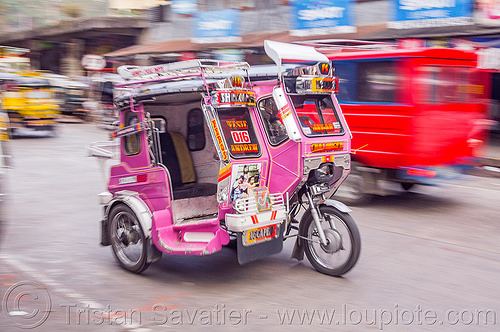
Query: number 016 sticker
{"type": "Point", "coordinates": [240, 136]}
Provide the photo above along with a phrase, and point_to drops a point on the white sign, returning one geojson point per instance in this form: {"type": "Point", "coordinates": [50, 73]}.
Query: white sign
{"type": "Point", "coordinates": [93, 62]}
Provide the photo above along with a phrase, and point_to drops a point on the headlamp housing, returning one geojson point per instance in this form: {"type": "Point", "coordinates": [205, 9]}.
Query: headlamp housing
{"type": "Point", "coordinates": [323, 174]}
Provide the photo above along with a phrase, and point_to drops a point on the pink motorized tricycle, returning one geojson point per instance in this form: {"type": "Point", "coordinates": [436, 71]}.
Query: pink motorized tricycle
{"type": "Point", "coordinates": [213, 153]}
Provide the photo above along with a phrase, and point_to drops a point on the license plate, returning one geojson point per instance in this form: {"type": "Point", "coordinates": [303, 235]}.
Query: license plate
{"type": "Point", "coordinates": [261, 234]}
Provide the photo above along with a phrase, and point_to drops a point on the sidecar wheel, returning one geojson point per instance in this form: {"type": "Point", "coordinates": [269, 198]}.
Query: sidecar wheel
{"type": "Point", "coordinates": [127, 239]}
{"type": "Point", "coordinates": [344, 243]}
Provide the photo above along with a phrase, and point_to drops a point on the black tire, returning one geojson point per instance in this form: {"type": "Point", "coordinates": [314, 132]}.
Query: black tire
{"type": "Point", "coordinates": [54, 131]}
{"type": "Point", "coordinates": [407, 185]}
{"type": "Point", "coordinates": [338, 247]}
{"type": "Point", "coordinates": [13, 133]}
{"type": "Point", "coordinates": [354, 190]}
{"type": "Point", "coordinates": [127, 239]}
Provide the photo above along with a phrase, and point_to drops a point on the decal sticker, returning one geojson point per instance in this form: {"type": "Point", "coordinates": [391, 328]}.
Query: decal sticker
{"type": "Point", "coordinates": [224, 173]}
{"type": "Point", "coordinates": [235, 97]}
{"type": "Point", "coordinates": [323, 84]}
{"type": "Point", "coordinates": [328, 127]}
{"type": "Point", "coordinates": [245, 177]}
{"type": "Point", "coordinates": [240, 136]}
{"type": "Point", "coordinates": [263, 199]}
{"type": "Point", "coordinates": [135, 128]}
{"type": "Point", "coordinates": [323, 127]}
{"type": "Point", "coordinates": [326, 147]}
{"type": "Point", "coordinates": [244, 148]}
{"type": "Point", "coordinates": [238, 125]}
{"type": "Point", "coordinates": [237, 81]}
{"type": "Point", "coordinates": [324, 68]}
{"type": "Point", "coordinates": [284, 112]}
{"type": "Point", "coordinates": [219, 140]}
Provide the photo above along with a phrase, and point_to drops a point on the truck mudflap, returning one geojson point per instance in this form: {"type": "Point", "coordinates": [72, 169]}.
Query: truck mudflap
{"type": "Point", "coordinates": [259, 243]}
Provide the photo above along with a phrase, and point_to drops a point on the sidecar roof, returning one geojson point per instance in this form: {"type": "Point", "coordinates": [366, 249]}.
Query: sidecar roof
{"type": "Point", "coordinates": [269, 72]}
{"type": "Point", "coordinates": [173, 92]}
{"type": "Point", "coordinates": [172, 83]}
{"type": "Point", "coordinates": [266, 72]}
{"type": "Point", "coordinates": [181, 69]}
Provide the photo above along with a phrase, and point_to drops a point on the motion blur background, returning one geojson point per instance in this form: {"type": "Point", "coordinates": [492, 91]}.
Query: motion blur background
{"type": "Point", "coordinates": [57, 34]}
{"type": "Point", "coordinates": [54, 36]}
{"type": "Point", "coordinates": [67, 53]}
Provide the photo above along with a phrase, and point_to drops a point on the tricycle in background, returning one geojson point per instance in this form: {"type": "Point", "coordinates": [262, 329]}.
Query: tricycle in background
{"type": "Point", "coordinates": [29, 102]}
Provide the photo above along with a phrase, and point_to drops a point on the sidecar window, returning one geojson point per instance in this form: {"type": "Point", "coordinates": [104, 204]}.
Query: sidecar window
{"type": "Point", "coordinates": [275, 130]}
{"type": "Point", "coordinates": [131, 143]}
{"type": "Point", "coordinates": [239, 132]}
{"type": "Point", "coordinates": [196, 130]}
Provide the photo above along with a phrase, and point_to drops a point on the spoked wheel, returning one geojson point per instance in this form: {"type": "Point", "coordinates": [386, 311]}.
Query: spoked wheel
{"type": "Point", "coordinates": [127, 239]}
{"type": "Point", "coordinates": [341, 252]}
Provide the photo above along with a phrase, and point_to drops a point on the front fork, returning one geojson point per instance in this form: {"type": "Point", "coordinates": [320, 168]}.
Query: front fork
{"type": "Point", "coordinates": [316, 217]}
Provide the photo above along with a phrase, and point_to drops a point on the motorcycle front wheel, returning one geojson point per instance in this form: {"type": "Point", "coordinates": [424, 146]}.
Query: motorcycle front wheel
{"type": "Point", "coordinates": [343, 247]}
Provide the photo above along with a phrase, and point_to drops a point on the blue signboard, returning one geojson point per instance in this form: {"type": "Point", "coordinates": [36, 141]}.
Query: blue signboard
{"type": "Point", "coordinates": [184, 7]}
{"type": "Point", "coordinates": [218, 26]}
{"type": "Point", "coordinates": [319, 17]}
{"type": "Point", "coordinates": [430, 13]}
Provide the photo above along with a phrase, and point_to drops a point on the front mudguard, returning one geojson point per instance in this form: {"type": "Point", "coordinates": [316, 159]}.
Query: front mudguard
{"type": "Point", "coordinates": [298, 249]}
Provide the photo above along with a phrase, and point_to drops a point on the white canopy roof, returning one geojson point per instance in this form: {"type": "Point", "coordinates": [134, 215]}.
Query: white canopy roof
{"type": "Point", "coordinates": [181, 68]}
{"type": "Point", "coordinates": [278, 51]}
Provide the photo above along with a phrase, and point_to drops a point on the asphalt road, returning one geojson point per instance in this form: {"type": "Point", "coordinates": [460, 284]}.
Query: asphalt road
{"type": "Point", "coordinates": [429, 262]}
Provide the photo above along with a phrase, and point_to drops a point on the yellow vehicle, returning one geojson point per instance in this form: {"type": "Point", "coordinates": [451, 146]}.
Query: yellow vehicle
{"type": "Point", "coordinates": [29, 102]}
{"type": "Point", "coordinates": [4, 126]}
{"type": "Point", "coordinates": [4, 138]}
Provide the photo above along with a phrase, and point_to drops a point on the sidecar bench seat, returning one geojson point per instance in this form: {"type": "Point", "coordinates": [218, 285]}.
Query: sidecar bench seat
{"type": "Point", "coordinates": [177, 158]}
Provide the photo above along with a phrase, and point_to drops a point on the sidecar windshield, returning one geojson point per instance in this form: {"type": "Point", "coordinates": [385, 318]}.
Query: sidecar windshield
{"type": "Point", "coordinates": [239, 132]}
{"type": "Point", "coordinates": [317, 115]}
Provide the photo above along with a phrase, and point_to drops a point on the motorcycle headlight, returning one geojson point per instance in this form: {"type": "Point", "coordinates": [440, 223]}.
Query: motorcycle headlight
{"type": "Point", "coordinates": [324, 173]}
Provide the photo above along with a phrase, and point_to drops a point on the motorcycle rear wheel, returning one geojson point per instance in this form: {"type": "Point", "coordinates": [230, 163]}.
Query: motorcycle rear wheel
{"type": "Point", "coordinates": [344, 242]}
